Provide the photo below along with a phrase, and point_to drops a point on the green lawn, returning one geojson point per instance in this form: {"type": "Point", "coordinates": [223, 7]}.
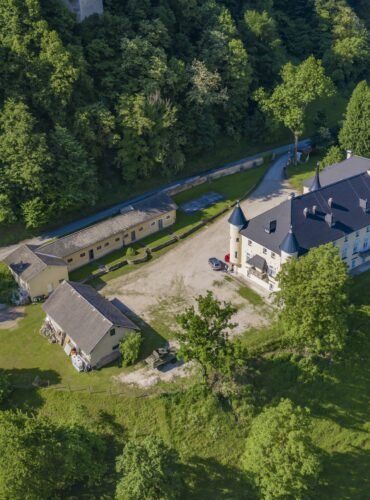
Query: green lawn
{"type": "Point", "coordinates": [204, 431]}
{"type": "Point", "coordinates": [108, 260]}
{"type": "Point", "coordinates": [232, 187]}
{"type": "Point", "coordinates": [299, 173]}
{"type": "Point", "coordinates": [250, 295]}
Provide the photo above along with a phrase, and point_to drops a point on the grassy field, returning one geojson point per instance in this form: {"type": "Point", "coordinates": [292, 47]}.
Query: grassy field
{"type": "Point", "coordinates": [204, 431]}
{"type": "Point", "coordinates": [299, 173]}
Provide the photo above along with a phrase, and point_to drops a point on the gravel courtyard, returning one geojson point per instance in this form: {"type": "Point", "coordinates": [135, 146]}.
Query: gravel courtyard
{"type": "Point", "coordinates": [172, 281]}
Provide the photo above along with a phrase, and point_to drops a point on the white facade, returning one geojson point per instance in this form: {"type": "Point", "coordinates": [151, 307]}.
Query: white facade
{"type": "Point", "coordinates": [354, 249]}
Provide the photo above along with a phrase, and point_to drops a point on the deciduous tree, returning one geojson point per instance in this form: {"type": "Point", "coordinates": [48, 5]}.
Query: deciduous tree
{"type": "Point", "coordinates": [279, 455]}
{"type": "Point", "coordinates": [300, 86]}
{"type": "Point", "coordinates": [205, 333]}
{"type": "Point", "coordinates": [314, 300]}
{"type": "Point", "coordinates": [355, 132]}
{"type": "Point", "coordinates": [148, 469]}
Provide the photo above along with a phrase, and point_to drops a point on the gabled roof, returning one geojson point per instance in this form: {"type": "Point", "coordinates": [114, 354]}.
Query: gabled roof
{"type": "Point", "coordinates": [83, 314]}
{"type": "Point", "coordinates": [27, 262]}
{"type": "Point", "coordinates": [339, 171]}
{"type": "Point", "coordinates": [237, 218]}
{"type": "Point", "coordinates": [316, 217]}
{"type": "Point", "coordinates": [138, 213]}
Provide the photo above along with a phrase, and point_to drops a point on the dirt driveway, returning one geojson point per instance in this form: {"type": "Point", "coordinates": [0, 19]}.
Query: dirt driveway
{"type": "Point", "coordinates": [9, 316]}
{"type": "Point", "coordinates": [173, 280]}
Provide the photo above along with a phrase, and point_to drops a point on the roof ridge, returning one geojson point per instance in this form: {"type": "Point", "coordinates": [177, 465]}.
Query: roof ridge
{"type": "Point", "coordinates": [71, 283]}
{"type": "Point", "coordinates": [34, 253]}
{"type": "Point", "coordinates": [330, 185]}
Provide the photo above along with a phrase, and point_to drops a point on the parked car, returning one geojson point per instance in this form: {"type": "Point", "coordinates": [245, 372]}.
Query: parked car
{"type": "Point", "coordinates": [215, 264]}
{"type": "Point", "coordinates": [161, 356]}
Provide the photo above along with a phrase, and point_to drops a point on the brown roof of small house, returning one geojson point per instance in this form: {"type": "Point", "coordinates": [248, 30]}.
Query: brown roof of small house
{"type": "Point", "coordinates": [138, 213]}
{"type": "Point", "coordinates": [83, 314]}
{"type": "Point", "coordinates": [27, 262]}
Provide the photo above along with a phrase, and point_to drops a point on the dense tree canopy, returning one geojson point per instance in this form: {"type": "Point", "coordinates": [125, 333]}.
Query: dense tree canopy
{"type": "Point", "coordinates": [39, 459]}
{"type": "Point", "coordinates": [133, 93]}
{"type": "Point", "coordinates": [279, 455]}
{"type": "Point", "coordinates": [355, 132]}
{"type": "Point", "coordinates": [148, 469]}
{"type": "Point", "coordinates": [314, 299]}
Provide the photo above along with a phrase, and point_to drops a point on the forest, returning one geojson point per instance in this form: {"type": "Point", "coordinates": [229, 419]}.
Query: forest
{"type": "Point", "coordinates": [133, 94]}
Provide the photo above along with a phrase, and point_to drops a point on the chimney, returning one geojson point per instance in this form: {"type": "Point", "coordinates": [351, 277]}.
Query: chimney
{"type": "Point", "coordinates": [363, 205]}
{"type": "Point", "coordinates": [314, 208]}
{"type": "Point", "coordinates": [305, 212]}
{"type": "Point", "coordinates": [329, 219]}
{"type": "Point", "coordinates": [349, 153]}
{"type": "Point", "coordinates": [330, 202]}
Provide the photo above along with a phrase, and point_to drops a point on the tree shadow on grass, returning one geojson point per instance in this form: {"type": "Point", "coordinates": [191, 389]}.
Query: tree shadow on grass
{"type": "Point", "coordinates": [354, 483]}
{"type": "Point", "coordinates": [151, 338]}
{"type": "Point", "coordinates": [25, 395]}
{"type": "Point", "coordinates": [208, 478]}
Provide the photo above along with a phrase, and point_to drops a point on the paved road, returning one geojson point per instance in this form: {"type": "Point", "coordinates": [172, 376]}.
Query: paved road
{"type": "Point", "coordinates": [104, 214]}
{"type": "Point", "coordinates": [167, 284]}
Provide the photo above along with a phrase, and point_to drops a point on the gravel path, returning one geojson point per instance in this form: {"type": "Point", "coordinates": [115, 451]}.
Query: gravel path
{"type": "Point", "coordinates": [173, 280]}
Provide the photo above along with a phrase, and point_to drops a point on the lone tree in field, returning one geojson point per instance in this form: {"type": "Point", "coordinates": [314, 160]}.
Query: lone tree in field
{"type": "Point", "coordinates": [148, 470]}
{"type": "Point", "coordinates": [355, 133]}
{"type": "Point", "coordinates": [314, 300]}
{"type": "Point", "coordinates": [279, 455]}
{"type": "Point", "coordinates": [205, 336]}
{"type": "Point", "coordinates": [300, 86]}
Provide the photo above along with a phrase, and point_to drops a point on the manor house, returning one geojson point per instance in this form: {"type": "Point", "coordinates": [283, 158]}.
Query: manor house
{"type": "Point", "coordinates": [337, 212]}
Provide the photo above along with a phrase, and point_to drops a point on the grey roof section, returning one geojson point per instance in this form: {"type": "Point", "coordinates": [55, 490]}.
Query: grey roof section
{"type": "Point", "coordinates": [289, 244]}
{"type": "Point", "coordinates": [84, 314]}
{"type": "Point", "coordinates": [27, 263]}
{"type": "Point", "coordinates": [258, 262]}
{"type": "Point", "coordinates": [142, 211]}
{"type": "Point", "coordinates": [344, 201]}
{"type": "Point", "coordinates": [339, 171]}
{"type": "Point", "coordinates": [237, 218]}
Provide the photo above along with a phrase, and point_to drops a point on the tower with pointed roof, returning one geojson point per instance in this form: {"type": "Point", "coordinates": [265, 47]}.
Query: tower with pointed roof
{"type": "Point", "coordinates": [289, 246]}
{"type": "Point", "coordinates": [237, 222]}
{"type": "Point", "coordinates": [316, 185]}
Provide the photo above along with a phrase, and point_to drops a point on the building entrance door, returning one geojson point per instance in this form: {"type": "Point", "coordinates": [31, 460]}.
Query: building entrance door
{"type": "Point", "coordinates": [133, 236]}
{"type": "Point", "coordinates": [160, 224]}
{"type": "Point", "coordinates": [91, 254]}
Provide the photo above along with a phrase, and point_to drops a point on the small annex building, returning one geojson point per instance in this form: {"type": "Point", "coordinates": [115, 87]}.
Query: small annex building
{"type": "Point", "coordinates": [134, 223]}
{"type": "Point", "coordinates": [87, 323]}
{"type": "Point", "coordinates": [35, 272]}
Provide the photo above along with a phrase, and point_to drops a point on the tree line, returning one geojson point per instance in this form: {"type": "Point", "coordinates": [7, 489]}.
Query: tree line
{"type": "Point", "coordinates": [135, 92]}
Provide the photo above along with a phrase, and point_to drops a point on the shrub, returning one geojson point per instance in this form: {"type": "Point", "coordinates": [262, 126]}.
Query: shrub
{"type": "Point", "coordinates": [7, 283]}
{"type": "Point", "coordinates": [130, 347]}
{"type": "Point", "coordinates": [130, 252]}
